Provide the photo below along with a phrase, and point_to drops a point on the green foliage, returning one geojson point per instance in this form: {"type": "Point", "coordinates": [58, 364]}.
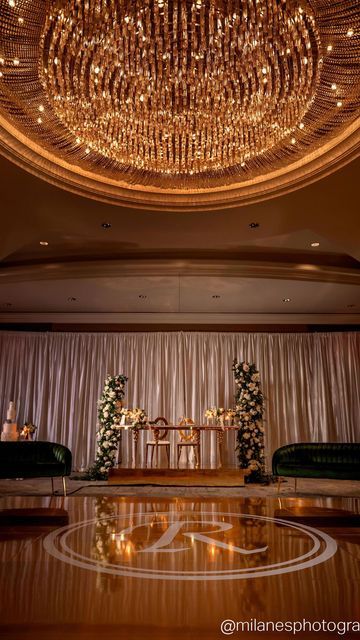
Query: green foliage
{"type": "Point", "coordinates": [249, 408]}
{"type": "Point", "coordinates": [109, 416]}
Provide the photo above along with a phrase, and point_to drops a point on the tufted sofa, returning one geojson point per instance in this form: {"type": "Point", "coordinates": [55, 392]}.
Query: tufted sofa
{"type": "Point", "coordinates": [38, 459]}
{"type": "Point", "coordinates": [336, 460]}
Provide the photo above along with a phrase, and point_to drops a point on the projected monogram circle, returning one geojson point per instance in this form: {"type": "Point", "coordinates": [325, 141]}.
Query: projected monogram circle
{"type": "Point", "coordinates": [180, 533]}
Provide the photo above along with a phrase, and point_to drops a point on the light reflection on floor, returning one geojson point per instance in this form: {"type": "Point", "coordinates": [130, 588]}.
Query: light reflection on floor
{"type": "Point", "coordinates": [177, 567]}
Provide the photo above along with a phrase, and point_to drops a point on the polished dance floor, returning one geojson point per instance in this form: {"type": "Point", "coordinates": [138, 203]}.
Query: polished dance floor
{"type": "Point", "coordinates": [113, 567]}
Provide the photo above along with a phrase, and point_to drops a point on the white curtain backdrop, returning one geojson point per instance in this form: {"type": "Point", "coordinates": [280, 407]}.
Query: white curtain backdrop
{"type": "Point", "coordinates": [311, 383]}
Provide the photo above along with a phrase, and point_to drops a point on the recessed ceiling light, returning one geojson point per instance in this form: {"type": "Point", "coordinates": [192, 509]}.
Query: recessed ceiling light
{"type": "Point", "coordinates": [216, 296]}
{"type": "Point", "coordinates": [71, 299]}
{"type": "Point", "coordinates": [329, 47]}
{"type": "Point", "coordinates": [339, 103]}
{"type": "Point", "coordinates": [254, 225]}
{"type": "Point", "coordinates": [106, 225]}
{"type": "Point", "coordinates": [286, 299]}
{"type": "Point", "coordinates": [44, 243]}
{"type": "Point", "coordinates": [350, 33]}
{"type": "Point", "coordinates": [142, 296]}
{"type": "Point", "coordinates": [315, 244]}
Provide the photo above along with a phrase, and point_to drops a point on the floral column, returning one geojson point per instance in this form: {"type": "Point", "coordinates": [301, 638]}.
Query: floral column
{"type": "Point", "coordinates": [108, 435]}
{"type": "Point", "coordinates": [249, 402]}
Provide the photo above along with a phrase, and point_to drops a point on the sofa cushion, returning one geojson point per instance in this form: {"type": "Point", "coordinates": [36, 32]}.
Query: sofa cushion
{"type": "Point", "coordinates": [31, 470]}
{"type": "Point", "coordinates": [34, 459]}
{"type": "Point", "coordinates": [318, 459]}
{"type": "Point", "coordinates": [342, 472]}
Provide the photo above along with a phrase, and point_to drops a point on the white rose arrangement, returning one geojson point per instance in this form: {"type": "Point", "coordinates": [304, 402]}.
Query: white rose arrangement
{"type": "Point", "coordinates": [137, 417]}
{"type": "Point", "coordinates": [219, 414]}
{"type": "Point", "coordinates": [109, 416]}
{"type": "Point", "coordinates": [249, 402]}
{"type": "Point", "coordinates": [214, 412]}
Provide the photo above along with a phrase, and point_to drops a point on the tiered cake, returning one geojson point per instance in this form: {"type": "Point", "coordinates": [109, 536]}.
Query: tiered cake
{"type": "Point", "coordinates": [10, 432]}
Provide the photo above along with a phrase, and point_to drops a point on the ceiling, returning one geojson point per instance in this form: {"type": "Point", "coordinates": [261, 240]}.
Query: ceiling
{"type": "Point", "coordinates": [179, 294]}
{"type": "Point", "coordinates": [278, 244]}
{"type": "Point", "coordinates": [179, 261]}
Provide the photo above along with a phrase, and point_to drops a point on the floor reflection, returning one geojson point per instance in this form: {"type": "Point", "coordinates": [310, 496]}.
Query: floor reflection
{"type": "Point", "coordinates": [176, 567]}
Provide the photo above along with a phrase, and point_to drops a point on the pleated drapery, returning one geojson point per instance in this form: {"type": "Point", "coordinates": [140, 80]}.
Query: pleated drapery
{"type": "Point", "coordinates": [311, 383]}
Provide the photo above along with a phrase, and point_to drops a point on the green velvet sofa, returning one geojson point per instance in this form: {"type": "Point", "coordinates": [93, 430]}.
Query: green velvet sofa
{"type": "Point", "coordinates": [333, 460]}
{"type": "Point", "coordinates": [24, 459]}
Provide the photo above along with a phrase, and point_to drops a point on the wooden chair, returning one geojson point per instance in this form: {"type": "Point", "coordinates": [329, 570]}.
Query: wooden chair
{"type": "Point", "coordinates": [158, 442]}
{"type": "Point", "coordinates": [193, 440]}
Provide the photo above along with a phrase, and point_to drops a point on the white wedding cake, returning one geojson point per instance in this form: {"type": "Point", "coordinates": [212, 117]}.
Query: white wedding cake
{"type": "Point", "coordinates": [9, 431]}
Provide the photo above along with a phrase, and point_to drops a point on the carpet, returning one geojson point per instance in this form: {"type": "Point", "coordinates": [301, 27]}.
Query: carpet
{"type": "Point", "coordinates": [307, 488]}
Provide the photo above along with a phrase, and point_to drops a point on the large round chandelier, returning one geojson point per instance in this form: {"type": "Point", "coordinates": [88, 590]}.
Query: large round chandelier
{"type": "Point", "coordinates": [179, 103]}
{"type": "Point", "coordinates": [180, 86]}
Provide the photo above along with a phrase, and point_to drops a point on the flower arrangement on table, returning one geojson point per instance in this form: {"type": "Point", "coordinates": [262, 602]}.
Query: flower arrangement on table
{"type": "Point", "coordinates": [249, 411]}
{"type": "Point", "coordinates": [220, 415]}
{"type": "Point", "coordinates": [230, 415]}
{"type": "Point", "coordinates": [28, 430]}
{"type": "Point", "coordinates": [135, 418]}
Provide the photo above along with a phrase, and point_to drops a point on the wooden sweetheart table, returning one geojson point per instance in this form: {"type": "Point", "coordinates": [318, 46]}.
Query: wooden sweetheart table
{"type": "Point", "coordinates": [160, 431]}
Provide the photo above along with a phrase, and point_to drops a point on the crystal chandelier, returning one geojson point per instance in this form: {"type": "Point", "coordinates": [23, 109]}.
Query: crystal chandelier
{"type": "Point", "coordinates": [179, 103]}
{"type": "Point", "coordinates": [180, 86]}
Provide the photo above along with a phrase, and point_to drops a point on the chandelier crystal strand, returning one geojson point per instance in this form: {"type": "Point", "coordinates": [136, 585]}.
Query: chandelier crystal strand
{"type": "Point", "coordinates": [176, 86]}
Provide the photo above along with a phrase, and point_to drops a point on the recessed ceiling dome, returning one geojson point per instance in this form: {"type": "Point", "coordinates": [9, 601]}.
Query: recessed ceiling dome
{"type": "Point", "coordinates": [179, 103]}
